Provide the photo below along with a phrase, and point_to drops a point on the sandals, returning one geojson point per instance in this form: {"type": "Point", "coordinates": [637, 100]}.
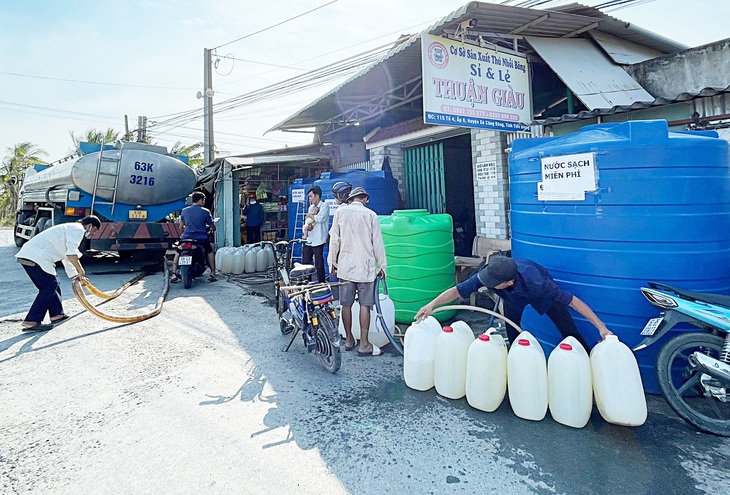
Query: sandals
{"type": "Point", "coordinates": [175, 278]}
{"type": "Point", "coordinates": [38, 327]}
{"type": "Point", "coordinates": [212, 278]}
{"type": "Point", "coordinates": [60, 319]}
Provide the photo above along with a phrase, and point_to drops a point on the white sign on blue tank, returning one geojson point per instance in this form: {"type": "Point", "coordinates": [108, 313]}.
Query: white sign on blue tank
{"type": "Point", "coordinates": [567, 177]}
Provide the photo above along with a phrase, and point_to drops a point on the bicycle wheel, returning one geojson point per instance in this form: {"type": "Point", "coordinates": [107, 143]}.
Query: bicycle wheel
{"type": "Point", "coordinates": [328, 352]}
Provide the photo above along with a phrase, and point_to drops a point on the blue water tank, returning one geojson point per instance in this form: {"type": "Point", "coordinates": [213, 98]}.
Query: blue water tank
{"type": "Point", "coordinates": [660, 212]}
{"type": "Point", "coordinates": [380, 185]}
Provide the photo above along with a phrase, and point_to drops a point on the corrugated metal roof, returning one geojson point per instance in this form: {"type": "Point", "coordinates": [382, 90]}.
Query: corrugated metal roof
{"type": "Point", "coordinates": [403, 62]}
{"type": "Point", "coordinates": [589, 73]}
{"type": "Point", "coordinates": [598, 112]}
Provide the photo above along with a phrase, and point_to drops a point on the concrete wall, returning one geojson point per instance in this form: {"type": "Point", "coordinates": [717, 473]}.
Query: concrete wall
{"type": "Point", "coordinates": [491, 196]}
{"type": "Point", "coordinates": [686, 72]}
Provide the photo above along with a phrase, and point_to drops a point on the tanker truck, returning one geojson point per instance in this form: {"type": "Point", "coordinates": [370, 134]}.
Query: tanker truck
{"type": "Point", "coordinates": [132, 187]}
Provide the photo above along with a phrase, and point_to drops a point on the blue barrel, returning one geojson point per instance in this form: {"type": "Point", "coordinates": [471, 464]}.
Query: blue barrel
{"type": "Point", "coordinates": [660, 212]}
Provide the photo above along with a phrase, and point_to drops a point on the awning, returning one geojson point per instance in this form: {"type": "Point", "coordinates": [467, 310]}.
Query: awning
{"type": "Point", "coordinates": [589, 73]}
{"type": "Point", "coordinates": [599, 112]}
{"type": "Point", "coordinates": [392, 84]}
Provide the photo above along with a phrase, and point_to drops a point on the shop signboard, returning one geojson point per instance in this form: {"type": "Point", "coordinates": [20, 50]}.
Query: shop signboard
{"type": "Point", "coordinates": [469, 86]}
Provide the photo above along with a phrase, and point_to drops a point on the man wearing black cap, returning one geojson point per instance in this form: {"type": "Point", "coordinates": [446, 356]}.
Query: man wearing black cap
{"type": "Point", "coordinates": [520, 283]}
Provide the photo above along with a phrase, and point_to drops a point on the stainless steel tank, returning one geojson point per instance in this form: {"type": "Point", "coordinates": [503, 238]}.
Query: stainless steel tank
{"type": "Point", "coordinates": [145, 176]}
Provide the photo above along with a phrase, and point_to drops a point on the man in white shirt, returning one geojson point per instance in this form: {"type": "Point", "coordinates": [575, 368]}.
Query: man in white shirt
{"type": "Point", "coordinates": [317, 237]}
{"type": "Point", "coordinates": [357, 255]}
{"type": "Point", "coordinates": [39, 256]}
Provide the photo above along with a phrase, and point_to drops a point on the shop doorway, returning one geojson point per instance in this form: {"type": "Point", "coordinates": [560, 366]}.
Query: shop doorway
{"type": "Point", "coordinates": [439, 178]}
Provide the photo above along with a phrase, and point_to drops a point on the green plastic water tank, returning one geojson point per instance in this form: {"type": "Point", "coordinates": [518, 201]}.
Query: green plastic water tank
{"type": "Point", "coordinates": [419, 247]}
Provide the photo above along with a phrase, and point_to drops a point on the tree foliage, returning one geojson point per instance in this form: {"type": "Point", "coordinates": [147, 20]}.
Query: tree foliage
{"type": "Point", "coordinates": [16, 161]}
{"type": "Point", "coordinates": [94, 136]}
{"type": "Point", "coordinates": [194, 152]}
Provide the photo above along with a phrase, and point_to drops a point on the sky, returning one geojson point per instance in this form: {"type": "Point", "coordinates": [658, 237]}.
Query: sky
{"type": "Point", "coordinates": [83, 65]}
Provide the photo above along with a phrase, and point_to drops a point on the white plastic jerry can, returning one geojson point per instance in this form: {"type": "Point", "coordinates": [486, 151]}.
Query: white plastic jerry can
{"type": "Point", "coordinates": [249, 265]}
{"type": "Point", "coordinates": [419, 350]}
{"type": "Point", "coordinates": [376, 335]}
{"type": "Point", "coordinates": [570, 384]}
{"type": "Point", "coordinates": [239, 260]}
{"type": "Point", "coordinates": [449, 366]}
{"type": "Point", "coordinates": [486, 372]}
{"type": "Point", "coordinates": [617, 383]}
{"type": "Point", "coordinates": [226, 264]}
{"type": "Point", "coordinates": [527, 378]}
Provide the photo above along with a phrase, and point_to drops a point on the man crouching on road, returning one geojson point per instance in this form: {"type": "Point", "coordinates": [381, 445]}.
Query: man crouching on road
{"type": "Point", "coordinates": [39, 256]}
{"type": "Point", "coordinates": [357, 255]}
{"type": "Point", "coordinates": [521, 283]}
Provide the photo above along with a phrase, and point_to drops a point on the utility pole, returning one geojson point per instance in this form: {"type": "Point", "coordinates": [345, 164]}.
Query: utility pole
{"type": "Point", "coordinates": [127, 137]}
{"type": "Point", "coordinates": [141, 129]}
{"type": "Point", "coordinates": [207, 95]}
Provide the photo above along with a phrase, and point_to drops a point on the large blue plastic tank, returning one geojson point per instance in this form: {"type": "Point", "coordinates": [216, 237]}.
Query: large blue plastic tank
{"type": "Point", "coordinates": [380, 185]}
{"type": "Point", "coordinates": [661, 212]}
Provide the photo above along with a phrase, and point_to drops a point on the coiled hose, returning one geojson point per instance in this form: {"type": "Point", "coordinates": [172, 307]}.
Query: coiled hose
{"type": "Point", "coordinates": [78, 284]}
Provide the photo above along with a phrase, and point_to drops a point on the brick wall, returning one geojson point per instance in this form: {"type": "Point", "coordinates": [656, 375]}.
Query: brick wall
{"type": "Point", "coordinates": [397, 163]}
{"type": "Point", "coordinates": [491, 195]}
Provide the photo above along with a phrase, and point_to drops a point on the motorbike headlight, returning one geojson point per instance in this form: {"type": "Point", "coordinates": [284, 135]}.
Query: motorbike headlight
{"type": "Point", "coordinates": [659, 299]}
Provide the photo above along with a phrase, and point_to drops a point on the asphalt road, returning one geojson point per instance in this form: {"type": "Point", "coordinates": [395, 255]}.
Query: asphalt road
{"type": "Point", "coordinates": [200, 399]}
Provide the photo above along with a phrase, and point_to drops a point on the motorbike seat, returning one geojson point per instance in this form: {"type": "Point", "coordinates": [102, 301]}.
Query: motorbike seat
{"type": "Point", "coordinates": [301, 271]}
{"type": "Point", "coordinates": [716, 299]}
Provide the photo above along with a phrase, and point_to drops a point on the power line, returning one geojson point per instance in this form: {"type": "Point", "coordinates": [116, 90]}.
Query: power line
{"type": "Point", "coordinates": [275, 25]}
{"type": "Point", "coordinates": [33, 76]}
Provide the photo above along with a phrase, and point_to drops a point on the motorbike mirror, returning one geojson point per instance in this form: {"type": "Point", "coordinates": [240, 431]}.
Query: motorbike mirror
{"type": "Point", "coordinates": [215, 220]}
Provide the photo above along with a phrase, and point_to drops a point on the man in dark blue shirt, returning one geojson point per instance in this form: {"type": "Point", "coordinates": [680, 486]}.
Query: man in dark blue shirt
{"type": "Point", "coordinates": [520, 283]}
{"type": "Point", "coordinates": [254, 214]}
{"type": "Point", "coordinates": [196, 222]}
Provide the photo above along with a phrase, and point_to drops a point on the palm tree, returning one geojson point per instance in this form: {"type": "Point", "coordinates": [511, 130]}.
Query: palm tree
{"type": "Point", "coordinates": [194, 152]}
{"type": "Point", "coordinates": [94, 136]}
{"type": "Point", "coordinates": [19, 158]}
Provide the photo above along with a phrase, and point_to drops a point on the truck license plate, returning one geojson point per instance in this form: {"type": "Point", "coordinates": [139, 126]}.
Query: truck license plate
{"type": "Point", "coordinates": [651, 326]}
{"type": "Point", "coordinates": [186, 260]}
{"type": "Point", "coordinates": [138, 214]}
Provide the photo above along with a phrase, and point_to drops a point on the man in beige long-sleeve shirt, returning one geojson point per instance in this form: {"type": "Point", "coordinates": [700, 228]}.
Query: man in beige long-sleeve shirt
{"type": "Point", "coordinates": [357, 255]}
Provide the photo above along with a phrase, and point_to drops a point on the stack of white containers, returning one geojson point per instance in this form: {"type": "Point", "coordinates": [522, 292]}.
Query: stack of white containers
{"type": "Point", "coordinates": [244, 259]}
{"type": "Point", "coordinates": [482, 369]}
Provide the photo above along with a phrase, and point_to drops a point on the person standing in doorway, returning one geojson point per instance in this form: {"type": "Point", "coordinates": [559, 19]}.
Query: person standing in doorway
{"type": "Point", "coordinates": [317, 236]}
{"type": "Point", "coordinates": [254, 214]}
{"type": "Point", "coordinates": [357, 255]}
{"type": "Point", "coordinates": [39, 257]}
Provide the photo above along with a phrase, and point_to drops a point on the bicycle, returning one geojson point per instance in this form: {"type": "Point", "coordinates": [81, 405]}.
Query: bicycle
{"type": "Point", "coordinates": [305, 307]}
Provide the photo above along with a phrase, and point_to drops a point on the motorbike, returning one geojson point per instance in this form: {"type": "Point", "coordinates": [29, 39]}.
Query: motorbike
{"type": "Point", "coordinates": [191, 263]}
{"type": "Point", "coordinates": [693, 366]}
{"type": "Point", "coordinates": [192, 260]}
{"type": "Point", "coordinates": [305, 307]}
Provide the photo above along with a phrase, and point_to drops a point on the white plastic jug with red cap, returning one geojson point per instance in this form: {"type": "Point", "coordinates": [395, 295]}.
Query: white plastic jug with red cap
{"type": "Point", "coordinates": [419, 350]}
{"type": "Point", "coordinates": [617, 383]}
{"type": "Point", "coordinates": [486, 372]}
{"type": "Point", "coordinates": [570, 385]}
{"type": "Point", "coordinates": [527, 378]}
{"type": "Point", "coordinates": [449, 366]}
{"type": "Point", "coordinates": [376, 335]}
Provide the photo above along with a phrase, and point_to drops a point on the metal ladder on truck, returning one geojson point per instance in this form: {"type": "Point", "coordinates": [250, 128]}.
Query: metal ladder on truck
{"type": "Point", "coordinates": [100, 172]}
